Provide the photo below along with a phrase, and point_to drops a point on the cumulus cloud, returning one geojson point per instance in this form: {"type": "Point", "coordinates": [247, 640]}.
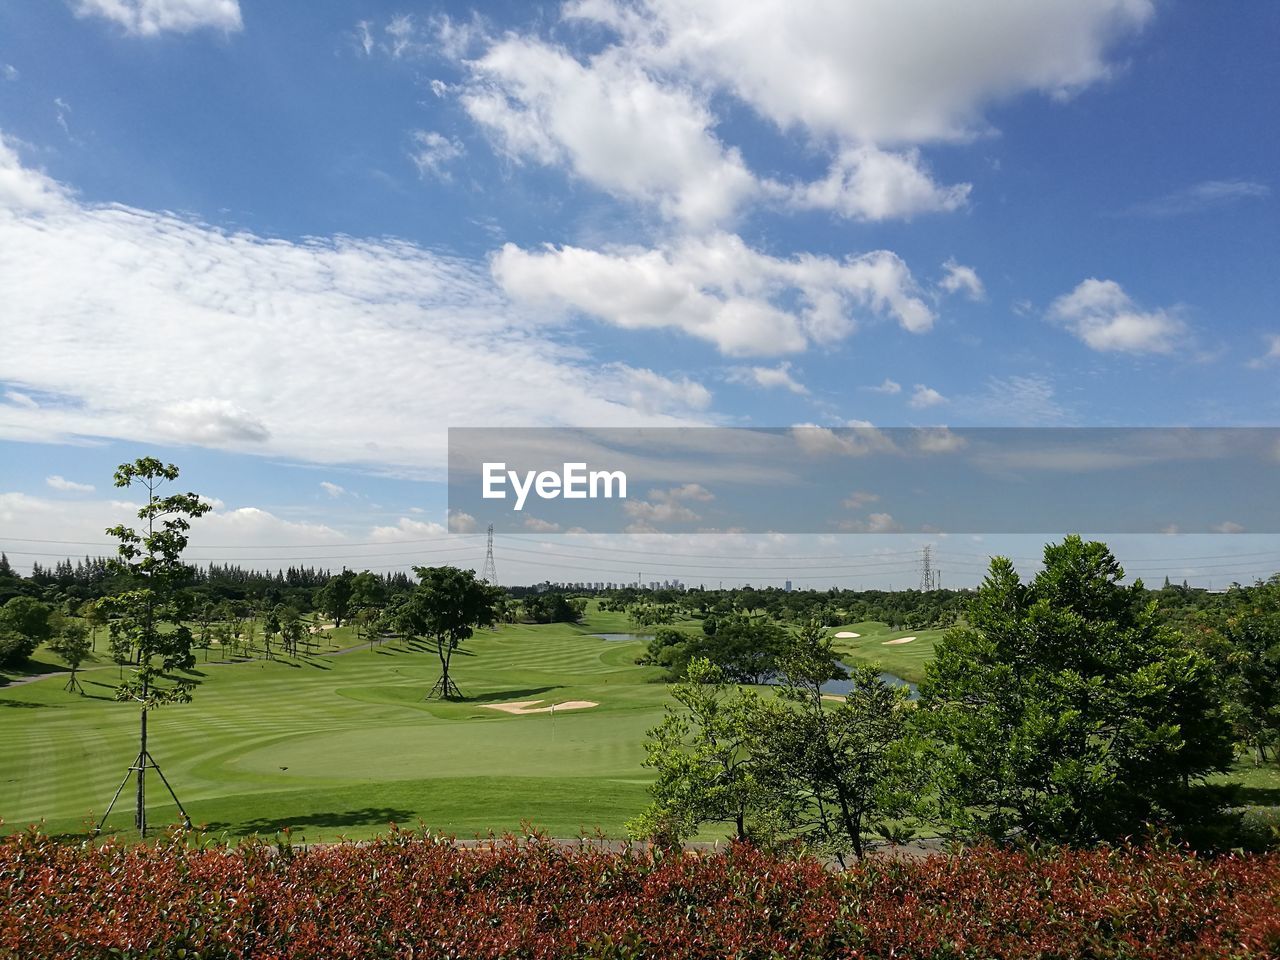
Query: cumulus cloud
{"type": "Point", "coordinates": [867, 72]}
{"type": "Point", "coordinates": [148, 18]}
{"type": "Point", "coordinates": [433, 152]}
{"type": "Point", "coordinates": [866, 183]}
{"type": "Point", "coordinates": [332, 489]}
{"type": "Point", "coordinates": [961, 279]}
{"type": "Point", "coordinates": [1106, 319]}
{"type": "Point", "coordinates": [890, 387]}
{"type": "Point", "coordinates": [923, 397]}
{"type": "Point", "coordinates": [407, 528]}
{"type": "Point", "coordinates": [652, 393]}
{"type": "Point", "coordinates": [666, 506]}
{"type": "Point", "coordinates": [611, 124]}
{"type": "Point", "coordinates": [717, 289]}
{"type": "Point", "coordinates": [768, 377]}
{"type": "Point", "coordinates": [67, 486]}
{"type": "Point", "coordinates": [148, 327]}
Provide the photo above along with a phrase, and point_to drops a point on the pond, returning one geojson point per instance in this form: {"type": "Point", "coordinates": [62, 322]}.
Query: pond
{"type": "Point", "coordinates": [842, 687]}
{"type": "Point", "coordinates": [624, 637]}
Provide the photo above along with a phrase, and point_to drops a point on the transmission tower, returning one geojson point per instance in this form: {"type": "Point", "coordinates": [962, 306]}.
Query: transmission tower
{"type": "Point", "coordinates": [490, 574]}
{"type": "Point", "coordinates": [926, 570]}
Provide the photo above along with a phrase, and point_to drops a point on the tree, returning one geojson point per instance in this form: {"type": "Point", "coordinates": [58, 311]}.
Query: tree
{"type": "Point", "coordinates": [334, 598]}
{"type": "Point", "coordinates": [1065, 711]}
{"type": "Point", "coordinates": [24, 625]}
{"type": "Point", "coordinates": [150, 617]}
{"type": "Point", "coordinates": [1252, 637]}
{"type": "Point", "coordinates": [71, 642]}
{"type": "Point", "coordinates": [95, 615]}
{"type": "Point", "coordinates": [837, 770]}
{"type": "Point", "coordinates": [704, 758]}
{"type": "Point", "coordinates": [445, 608]}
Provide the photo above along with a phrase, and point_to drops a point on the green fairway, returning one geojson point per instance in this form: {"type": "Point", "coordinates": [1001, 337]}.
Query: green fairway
{"type": "Point", "coordinates": [345, 743]}
{"type": "Point", "coordinates": [906, 660]}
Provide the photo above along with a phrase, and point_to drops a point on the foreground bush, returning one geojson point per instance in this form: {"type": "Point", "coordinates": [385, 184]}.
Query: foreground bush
{"type": "Point", "coordinates": [417, 896]}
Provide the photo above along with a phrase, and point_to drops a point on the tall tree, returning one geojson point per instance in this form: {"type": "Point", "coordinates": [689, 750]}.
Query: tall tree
{"type": "Point", "coordinates": [704, 754]}
{"type": "Point", "coordinates": [334, 598]}
{"type": "Point", "coordinates": [1252, 637]}
{"type": "Point", "coordinates": [71, 642]}
{"type": "Point", "coordinates": [445, 609]}
{"type": "Point", "coordinates": [1065, 711]}
{"type": "Point", "coordinates": [150, 617]}
{"type": "Point", "coordinates": [839, 769]}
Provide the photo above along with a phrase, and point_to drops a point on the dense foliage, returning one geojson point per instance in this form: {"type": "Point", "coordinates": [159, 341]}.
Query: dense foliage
{"type": "Point", "coordinates": [1066, 711]}
{"type": "Point", "coordinates": [410, 896]}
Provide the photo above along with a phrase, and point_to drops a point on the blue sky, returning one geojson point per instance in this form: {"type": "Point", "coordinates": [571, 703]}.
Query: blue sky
{"type": "Point", "coordinates": [287, 250]}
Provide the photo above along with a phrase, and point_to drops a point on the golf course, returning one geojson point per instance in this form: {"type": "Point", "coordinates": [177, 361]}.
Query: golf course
{"type": "Point", "coordinates": [344, 743]}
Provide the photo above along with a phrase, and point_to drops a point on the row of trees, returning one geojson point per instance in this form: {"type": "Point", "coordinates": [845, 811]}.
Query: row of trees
{"type": "Point", "coordinates": [1064, 709]}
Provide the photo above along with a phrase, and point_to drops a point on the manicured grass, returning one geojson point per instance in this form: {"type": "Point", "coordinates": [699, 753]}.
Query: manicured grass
{"type": "Point", "coordinates": [905, 660]}
{"type": "Point", "coordinates": [344, 744]}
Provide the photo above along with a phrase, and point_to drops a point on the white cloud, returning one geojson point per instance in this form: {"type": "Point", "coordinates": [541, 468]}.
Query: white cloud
{"type": "Point", "coordinates": [1273, 352]}
{"type": "Point", "coordinates": [332, 489]}
{"type": "Point", "coordinates": [865, 183]}
{"type": "Point", "coordinates": [877, 71]}
{"type": "Point", "coordinates": [409, 529]}
{"type": "Point", "coordinates": [1016, 400]}
{"type": "Point", "coordinates": [148, 18]}
{"type": "Point", "coordinates": [143, 326]}
{"type": "Point", "coordinates": [769, 377]}
{"type": "Point", "coordinates": [1206, 195]}
{"type": "Point", "coordinates": [535, 525]}
{"type": "Point", "coordinates": [859, 499]}
{"type": "Point", "coordinates": [1227, 526]}
{"type": "Point", "coordinates": [611, 124]}
{"type": "Point", "coordinates": [937, 440]}
{"type": "Point", "coordinates": [959, 278]}
{"type": "Point", "coordinates": [68, 486]}
{"type": "Point", "coordinates": [20, 399]}
{"type": "Point", "coordinates": [666, 506]}
{"type": "Point", "coordinates": [889, 387]}
{"type": "Point", "coordinates": [652, 393]}
{"type": "Point", "coordinates": [25, 190]}
{"type": "Point", "coordinates": [719, 290]}
{"type": "Point", "coordinates": [1106, 319]}
{"type": "Point", "coordinates": [874, 523]}
{"type": "Point", "coordinates": [433, 152]}
{"type": "Point", "coordinates": [9, 71]}
{"type": "Point", "coordinates": [923, 397]}
{"type": "Point", "coordinates": [460, 522]}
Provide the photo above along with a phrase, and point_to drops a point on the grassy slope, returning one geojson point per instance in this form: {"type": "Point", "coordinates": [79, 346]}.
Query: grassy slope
{"type": "Point", "coordinates": [360, 745]}
{"type": "Point", "coordinates": [905, 660]}
{"type": "Point", "coordinates": [341, 745]}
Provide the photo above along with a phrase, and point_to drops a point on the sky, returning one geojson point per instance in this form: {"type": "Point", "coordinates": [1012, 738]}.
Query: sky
{"type": "Point", "coordinates": [287, 248]}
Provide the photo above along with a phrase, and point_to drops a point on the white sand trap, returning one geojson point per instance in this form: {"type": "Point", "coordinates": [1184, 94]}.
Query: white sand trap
{"type": "Point", "coordinates": [894, 643]}
{"type": "Point", "coordinates": [527, 706]}
{"type": "Point", "coordinates": [847, 635]}
{"type": "Point", "coordinates": [833, 696]}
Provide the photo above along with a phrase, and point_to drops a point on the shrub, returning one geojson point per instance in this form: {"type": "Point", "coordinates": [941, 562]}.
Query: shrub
{"type": "Point", "coordinates": [409, 895]}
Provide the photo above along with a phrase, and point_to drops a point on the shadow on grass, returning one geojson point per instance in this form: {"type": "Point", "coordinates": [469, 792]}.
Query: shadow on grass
{"type": "Point", "coordinates": [1257, 796]}
{"type": "Point", "coordinates": [367, 816]}
{"type": "Point", "coordinates": [500, 696]}
{"type": "Point", "coordinates": [21, 704]}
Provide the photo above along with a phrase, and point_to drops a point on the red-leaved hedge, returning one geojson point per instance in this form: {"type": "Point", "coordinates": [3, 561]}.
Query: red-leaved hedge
{"type": "Point", "coordinates": [414, 896]}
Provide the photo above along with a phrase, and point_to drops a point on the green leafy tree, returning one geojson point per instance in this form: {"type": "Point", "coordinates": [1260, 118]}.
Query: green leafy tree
{"type": "Point", "coordinates": [334, 598]}
{"type": "Point", "coordinates": [445, 609]}
{"type": "Point", "coordinates": [703, 752]}
{"type": "Point", "coordinates": [838, 770]}
{"type": "Point", "coordinates": [1252, 638]}
{"type": "Point", "coordinates": [1065, 711]}
{"type": "Point", "coordinates": [150, 618]}
{"type": "Point", "coordinates": [25, 623]}
{"type": "Point", "coordinates": [71, 642]}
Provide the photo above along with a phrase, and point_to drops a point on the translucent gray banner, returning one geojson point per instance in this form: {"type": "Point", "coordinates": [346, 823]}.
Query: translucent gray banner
{"type": "Point", "coordinates": [865, 480]}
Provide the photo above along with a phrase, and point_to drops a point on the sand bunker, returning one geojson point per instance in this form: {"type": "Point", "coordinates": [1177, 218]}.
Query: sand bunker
{"type": "Point", "coordinates": [894, 643]}
{"type": "Point", "coordinates": [527, 706]}
{"type": "Point", "coordinates": [833, 696]}
{"type": "Point", "coordinates": [846, 635]}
